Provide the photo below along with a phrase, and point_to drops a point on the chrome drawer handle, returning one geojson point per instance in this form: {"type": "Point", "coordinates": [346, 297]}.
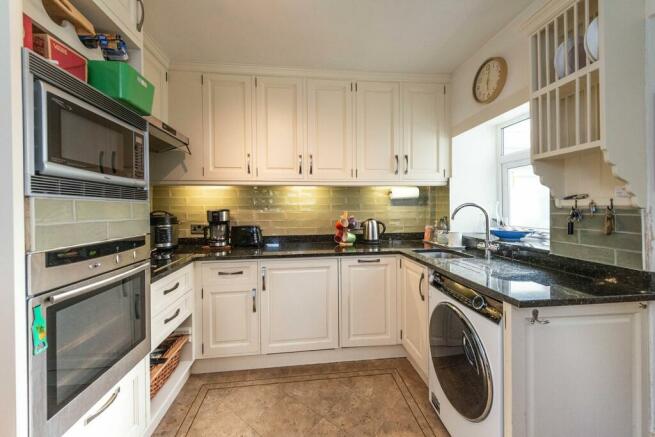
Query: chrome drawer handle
{"type": "Point", "coordinates": [254, 300]}
{"type": "Point", "coordinates": [177, 313]}
{"type": "Point", "coordinates": [240, 272]}
{"type": "Point", "coordinates": [406, 164]}
{"type": "Point", "coordinates": [102, 409]}
{"type": "Point", "coordinates": [172, 289]}
{"type": "Point", "coordinates": [397, 165]}
{"type": "Point", "coordinates": [364, 261]}
{"type": "Point", "coordinates": [535, 318]}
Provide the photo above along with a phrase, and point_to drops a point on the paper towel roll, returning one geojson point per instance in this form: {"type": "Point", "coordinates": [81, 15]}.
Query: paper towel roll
{"type": "Point", "coordinates": [398, 193]}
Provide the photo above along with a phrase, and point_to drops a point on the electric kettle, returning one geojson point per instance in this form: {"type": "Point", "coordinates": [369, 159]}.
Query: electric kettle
{"type": "Point", "coordinates": [372, 232]}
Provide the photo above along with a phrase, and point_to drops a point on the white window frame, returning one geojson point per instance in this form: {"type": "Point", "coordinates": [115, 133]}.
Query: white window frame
{"type": "Point", "coordinates": [510, 161]}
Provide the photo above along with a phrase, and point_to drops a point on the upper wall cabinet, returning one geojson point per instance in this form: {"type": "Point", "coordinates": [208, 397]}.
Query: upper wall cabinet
{"type": "Point", "coordinates": [156, 71]}
{"type": "Point", "coordinates": [228, 127]}
{"type": "Point", "coordinates": [587, 99]}
{"type": "Point", "coordinates": [293, 130]}
{"type": "Point", "coordinates": [378, 131]}
{"type": "Point", "coordinates": [280, 128]}
{"type": "Point", "coordinates": [425, 144]}
{"type": "Point", "coordinates": [330, 135]}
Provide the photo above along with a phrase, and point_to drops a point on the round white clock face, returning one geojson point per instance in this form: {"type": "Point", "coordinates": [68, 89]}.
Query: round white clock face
{"type": "Point", "coordinates": [490, 80]}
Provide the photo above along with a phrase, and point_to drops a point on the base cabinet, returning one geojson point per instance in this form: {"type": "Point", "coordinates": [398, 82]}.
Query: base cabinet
{"type": "Point", "coordinates": [414, 313]}
{"type": "Point", "coordinates": [120, 412]}
{"type": "Point", "coordinates": [368, 301]}
{"type": "Point", "coordinates": [230, 309]}
{"type": "Point", "coordinates": [576, 371]}
{"type": "Point", "coordinates": [299, 304]}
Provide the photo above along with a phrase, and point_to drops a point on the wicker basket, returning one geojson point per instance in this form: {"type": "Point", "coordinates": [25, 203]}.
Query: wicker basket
{"type": "Point", "coordinates": [160, 373]}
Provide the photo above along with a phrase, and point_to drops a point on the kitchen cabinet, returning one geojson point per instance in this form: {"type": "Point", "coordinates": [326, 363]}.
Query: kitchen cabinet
{"type": "Point", "coordinates": [425, 141]}
{"type": "Point", "coordinates": [330, 135]}
{"type": "Point", "coordinates": [299, 304]}
{"type": "Point", "coordinates": [576, 370]}
{"type": "Point", "coordinates": [156, 72]}
{"type": "Point", "coordinates": [121, 411]}
{"type": "Point", "coordinates": [280, 128]}
{"type": "Point", "coordinates": [230, 309]}
{"type": "Point", "coordinates": [414, 313]}
{"type": "Point", "coordinates": [378, 131]}
{"type": "Point", "coordinates": [228, 127]}
{"type": "Point", "coordinates": [368, 301]}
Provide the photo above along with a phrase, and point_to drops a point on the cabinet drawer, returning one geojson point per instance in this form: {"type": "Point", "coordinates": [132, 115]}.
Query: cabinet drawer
{"type": "Point", "coordinates": [169, 289]}
{"type": "Point", "coordinates": [170, 318]}
{"type": "Point", "coordinates": [221, 275]}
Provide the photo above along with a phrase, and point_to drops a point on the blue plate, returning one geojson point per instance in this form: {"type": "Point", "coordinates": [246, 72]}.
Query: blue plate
{"type": "Point", "coordinates": [508, 235]}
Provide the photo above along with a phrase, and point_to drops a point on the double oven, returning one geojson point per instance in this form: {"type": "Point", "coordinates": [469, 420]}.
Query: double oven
{"type": "Point", "coordinates": [88, 305]}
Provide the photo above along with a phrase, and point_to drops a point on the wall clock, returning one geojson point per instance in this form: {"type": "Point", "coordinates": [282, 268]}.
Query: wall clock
{"type": "Point", "coordinates": [490, 80]}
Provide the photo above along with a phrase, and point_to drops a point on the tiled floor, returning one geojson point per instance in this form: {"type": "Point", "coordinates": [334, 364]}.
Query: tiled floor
{"type": "Point", "coordinates": [362, 398]}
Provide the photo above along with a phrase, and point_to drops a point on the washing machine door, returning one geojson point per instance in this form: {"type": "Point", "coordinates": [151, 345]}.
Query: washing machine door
{"type": "Point", "coordinates": [460, 362]}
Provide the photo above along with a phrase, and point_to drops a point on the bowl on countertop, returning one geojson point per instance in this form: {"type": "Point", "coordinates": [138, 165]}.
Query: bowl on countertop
{"type": "Point", "coordinates": [509, 235]}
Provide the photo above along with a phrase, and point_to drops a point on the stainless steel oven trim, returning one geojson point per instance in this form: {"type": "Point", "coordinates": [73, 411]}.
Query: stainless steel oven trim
{"type": "Point", "coordinates": [79, 406]}
{"type": "Point", "coordinates": [43, 166]}
{"type": "Point", "coordinates": [41, 278]}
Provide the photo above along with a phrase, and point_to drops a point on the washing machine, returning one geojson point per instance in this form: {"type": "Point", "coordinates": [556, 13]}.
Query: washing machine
{"type": "Point", "coordinates": [466, 359]}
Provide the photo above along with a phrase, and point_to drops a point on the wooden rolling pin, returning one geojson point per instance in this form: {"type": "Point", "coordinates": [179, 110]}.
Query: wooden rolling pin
{"type": "Point", "coordinates": [60, 10]}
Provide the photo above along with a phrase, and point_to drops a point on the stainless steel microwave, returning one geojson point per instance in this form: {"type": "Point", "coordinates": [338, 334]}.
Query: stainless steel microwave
{"type": "Point", "coordinates": [78, 141]}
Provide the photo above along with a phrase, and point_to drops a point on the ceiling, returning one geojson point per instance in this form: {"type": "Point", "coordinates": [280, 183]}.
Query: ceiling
{"type": "Point", "coordinates": [409, 36]}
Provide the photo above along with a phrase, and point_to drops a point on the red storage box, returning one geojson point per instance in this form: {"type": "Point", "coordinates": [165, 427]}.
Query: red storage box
{"type": "Point", "coordinates": [66, 58]}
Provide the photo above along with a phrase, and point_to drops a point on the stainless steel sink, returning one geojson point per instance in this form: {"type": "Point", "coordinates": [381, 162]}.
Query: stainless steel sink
{"type": "Point", "coordinates": [441, 254]}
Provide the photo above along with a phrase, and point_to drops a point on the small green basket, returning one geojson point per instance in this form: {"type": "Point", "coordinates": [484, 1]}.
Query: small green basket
{"type": "Point", "coordinates": [122, 82]}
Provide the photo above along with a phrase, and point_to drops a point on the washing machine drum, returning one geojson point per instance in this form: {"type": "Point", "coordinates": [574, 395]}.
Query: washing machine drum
{"type": "Point", "coordinates": [460, 362]}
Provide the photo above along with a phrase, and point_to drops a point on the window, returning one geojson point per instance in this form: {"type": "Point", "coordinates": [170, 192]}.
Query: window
{"type": "Point", "coordinates": [525, 203]}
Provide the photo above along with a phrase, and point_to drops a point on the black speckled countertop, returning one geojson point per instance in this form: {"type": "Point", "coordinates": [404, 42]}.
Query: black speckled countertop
{"type": "Point", "coordinates": [520, 278]}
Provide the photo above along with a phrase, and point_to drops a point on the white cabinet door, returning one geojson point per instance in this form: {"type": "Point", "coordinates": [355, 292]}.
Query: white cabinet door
{"type": "Point", "coordinates": [330, 136]}
{"type": "Point", "coordinates": [414, 313]}
{"type": "Point", "coordinates": [368, 301]}
{"type": "Point", "coordinates": [577, 370]}
{"type": "Point", "coordinates": [230, 314]}
{"type": "Point", "coordinates": [378, 131]}
{"type": "Point", "coordinates": [280, 128]}
{"type": "Point", "coordinates": [423, 116]}
{"type": "Point", "coordinates": [299, 300]}
{"type": "Point", "coordinates": [157, 73]}
{"type": "Point", "coordinates": [126, 13]}
{"type": "Point", "coordinates": [120, 412]}
{"type": "Point", "coordinates": [227, 123]}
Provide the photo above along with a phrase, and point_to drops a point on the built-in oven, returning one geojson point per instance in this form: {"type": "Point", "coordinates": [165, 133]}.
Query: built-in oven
{"type": "Point", "coordinates": [86, 334]}
{"type": "Point", "coordinates": [78, 141]}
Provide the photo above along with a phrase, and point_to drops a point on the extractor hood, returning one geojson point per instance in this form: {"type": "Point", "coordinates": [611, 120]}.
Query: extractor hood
{"type": "Point", "coordinates": [164, 138]}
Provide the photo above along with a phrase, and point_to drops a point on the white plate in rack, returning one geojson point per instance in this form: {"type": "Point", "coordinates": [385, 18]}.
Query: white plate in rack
{"type": "Point", "coordinates": [591, 40]}
{"type": "Point", "coordinates": [567, 49]}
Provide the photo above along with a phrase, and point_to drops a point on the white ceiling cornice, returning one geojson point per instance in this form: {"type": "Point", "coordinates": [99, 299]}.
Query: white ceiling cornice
{"type": "Point", "coordinates": [306, 72]}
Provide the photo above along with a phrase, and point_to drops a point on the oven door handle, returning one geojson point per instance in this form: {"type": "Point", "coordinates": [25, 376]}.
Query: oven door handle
{"type": "Point", "coordinates": [86, 288]}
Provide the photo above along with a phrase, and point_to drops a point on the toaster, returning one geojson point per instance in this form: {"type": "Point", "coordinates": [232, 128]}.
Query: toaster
{"type": "Point", "coordinates": [247, 236]}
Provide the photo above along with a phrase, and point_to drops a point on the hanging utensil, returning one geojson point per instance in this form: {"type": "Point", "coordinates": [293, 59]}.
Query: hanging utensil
{"type": "Point", "coordinates": [610, 219]}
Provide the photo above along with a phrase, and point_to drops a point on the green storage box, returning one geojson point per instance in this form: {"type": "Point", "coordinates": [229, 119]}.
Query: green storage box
{"type": "Point", "coordinates": [122, 82]}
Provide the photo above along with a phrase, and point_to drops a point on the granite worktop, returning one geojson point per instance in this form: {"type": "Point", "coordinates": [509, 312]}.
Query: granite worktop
{"type": "Point", "coordinates": [521, 278]}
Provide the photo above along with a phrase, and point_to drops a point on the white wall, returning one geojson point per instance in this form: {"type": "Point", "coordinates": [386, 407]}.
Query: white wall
{"type": "Point", "coordinates": [13, 366]}
{"type": "Point", "coordinates": [474, 177]}
{"type": "Point", "coordinates": [512, 44]}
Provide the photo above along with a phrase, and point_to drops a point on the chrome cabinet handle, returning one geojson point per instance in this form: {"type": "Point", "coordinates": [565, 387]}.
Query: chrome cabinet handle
{"type": "Point", "coordinates": [177, 313]}
{"type": "Point", "coordinates": [254, 300]}
{"type": "Point", "coordinates": [365, 261]}
{"type": "Point", "coordinates": [397, 165]}
{"type": "Point", "coordinates": [172, 289]}
{"type": "Point", "coordinates": [300, 164]}
{"type": "Point", "coordinates": [139, 25]}
{"type": "Point", "coordinates": [406, 164]}
{"type": "Point", "coordinates": [240, 272]}
{"type": "Point", "coordinates": [102, 409]}
{"type": "Point", "coordinates": [263, 278]}
{"type": "Point", "coordinates": [535, 318]}
{"type": "Point", "coordinates": [248, 162]}
{"type": "Point", "coordinates": [311, 164]}
{"type": "Point", "coordinates": [420, 286]}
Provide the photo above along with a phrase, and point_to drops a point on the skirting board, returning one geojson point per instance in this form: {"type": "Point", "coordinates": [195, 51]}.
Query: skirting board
{"type": "Point", "coordinates": [209, 365]}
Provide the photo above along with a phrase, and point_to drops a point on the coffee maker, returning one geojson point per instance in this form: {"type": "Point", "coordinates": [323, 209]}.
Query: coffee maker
{"type": "Point", "coordinates": [217, 233]}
